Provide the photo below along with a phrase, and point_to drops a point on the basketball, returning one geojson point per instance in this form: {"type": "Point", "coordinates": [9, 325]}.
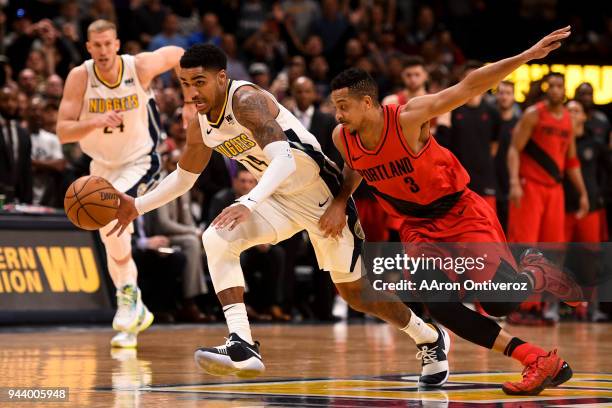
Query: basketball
{"type": "Point", "coordinates": [91, 202]}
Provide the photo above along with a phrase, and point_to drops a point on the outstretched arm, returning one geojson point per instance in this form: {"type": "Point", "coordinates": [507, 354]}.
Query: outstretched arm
{"type": "Point", "coordinates": [257, 112]}
{"type": "Point", "coordinates": [423, 108]}
{"type": "Point", "coordinates": [193, 161]}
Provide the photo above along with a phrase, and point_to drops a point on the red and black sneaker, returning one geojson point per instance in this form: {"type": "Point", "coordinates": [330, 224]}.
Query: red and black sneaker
{"type": "Point", "coordinates": [547, 277]}
{"type": "Point", "coordinates": [540, 372]}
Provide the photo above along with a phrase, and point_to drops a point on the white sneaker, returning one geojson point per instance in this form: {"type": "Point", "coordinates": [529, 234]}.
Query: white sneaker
{"type": "Point", "coordinates": [124, 340]}
{"type": "Point", "coordinates": [129, 309]}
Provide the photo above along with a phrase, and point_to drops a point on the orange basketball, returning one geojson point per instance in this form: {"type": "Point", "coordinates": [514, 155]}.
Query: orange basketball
{"type": "Point", "coordinates": [91, 202]}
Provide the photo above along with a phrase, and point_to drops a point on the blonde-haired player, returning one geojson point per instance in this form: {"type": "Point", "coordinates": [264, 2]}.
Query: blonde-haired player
{"type": "Point", "coordinates": [108, 107]}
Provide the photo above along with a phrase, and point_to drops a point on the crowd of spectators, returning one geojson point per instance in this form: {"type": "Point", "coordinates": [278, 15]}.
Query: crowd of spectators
{"type": "Point", "coordinates": [292, 48]}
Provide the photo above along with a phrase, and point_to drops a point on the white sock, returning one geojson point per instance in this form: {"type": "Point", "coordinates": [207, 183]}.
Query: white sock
{"type": "Point", "coordinates": [237, 321]}
{"type": "Point", "coordinates": [420, 331]}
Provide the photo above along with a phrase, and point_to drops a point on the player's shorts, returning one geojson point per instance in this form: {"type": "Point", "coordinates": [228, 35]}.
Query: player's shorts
{"type": "Point", "coordinates": [135, 178]}
{"type": "Point", "coordinates": [541, 215]}
{"type": "Point", "coordinates": [279, 217]}
{"type": "Point", "coordinates": [471, 220]}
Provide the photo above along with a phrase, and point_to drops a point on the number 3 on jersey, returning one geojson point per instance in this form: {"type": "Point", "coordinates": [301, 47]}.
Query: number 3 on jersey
{"type": "Point", "coordinates": [108, 129]}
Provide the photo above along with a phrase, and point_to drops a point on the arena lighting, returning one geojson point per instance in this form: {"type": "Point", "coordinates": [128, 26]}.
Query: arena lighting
{"type": "Point", "coordinates": [599, 76]}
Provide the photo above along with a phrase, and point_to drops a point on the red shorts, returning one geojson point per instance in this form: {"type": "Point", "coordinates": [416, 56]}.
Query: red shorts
{"type": "Point", "coordinates": [586, 229]}
{"type": "Point", "coordinates": [471, 220]}
{"type": "Point", "coordinates": [541, 215]}
{"type": "Point", "coordinates": [373, 220]}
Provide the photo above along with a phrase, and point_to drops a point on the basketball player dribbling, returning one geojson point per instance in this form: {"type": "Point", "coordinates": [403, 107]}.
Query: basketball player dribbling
{"type": "Point", "coordinates": [296, 184]}
{"type": "Point", "coordinates": [431, 196]}
{"type": "Point", "coordinates": [108, 107]}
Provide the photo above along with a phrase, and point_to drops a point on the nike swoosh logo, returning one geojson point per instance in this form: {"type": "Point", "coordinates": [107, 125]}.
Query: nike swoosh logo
{"type": "Point", "coordinates": [254, 352]}
{"type": "Point", "coordinates": [462, 210]}
{"type": "Point", "coordinates": [324, 202]}
{"type": "Point", "coordinates": [353, 158]}
{"type": "Point", "coordinates": [208, 131]}
{"type": "Point", "coordinates": [250, 199]}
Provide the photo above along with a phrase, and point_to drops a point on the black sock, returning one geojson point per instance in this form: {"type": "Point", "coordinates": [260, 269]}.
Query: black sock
{"type": "Point", "coordinates": [514, 343]}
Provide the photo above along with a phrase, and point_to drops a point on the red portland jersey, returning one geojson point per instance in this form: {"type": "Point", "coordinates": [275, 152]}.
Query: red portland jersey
{"type": "Point", "coordinates": [424, 185]}
{"type": "Point", "coordinates": [543, 158]}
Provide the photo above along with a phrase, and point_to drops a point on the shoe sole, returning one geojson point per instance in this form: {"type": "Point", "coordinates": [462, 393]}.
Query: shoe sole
{"type": "Point", "coordinates": [222, 365]}
{"type": "Point", "coordinates": [564, 374]}
{"type": "Point", "coordinates": [146, 321]}
{"type": "Point", "coordinates": [124, 345]}
{"type": "Point", "coordinates": [446, 351]}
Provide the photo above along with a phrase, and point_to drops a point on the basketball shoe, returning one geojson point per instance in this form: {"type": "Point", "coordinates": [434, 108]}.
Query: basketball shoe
{"type": "Point", "coordinates": [125, 339]}
{"type": "Point", "coordinates": [434, 357]}
{"type": "Point", "coordinates": [540, 372]}
{"type": "Point", "coordinates": [235, 357]}
{"type": "Point", "coordinates": [547, 277]}
{"type": "Point", "coordinates": [130, 309]}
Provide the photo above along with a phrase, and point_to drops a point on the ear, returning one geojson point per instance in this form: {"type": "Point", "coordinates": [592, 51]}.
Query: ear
{"type": "Point", "coordinates": [368, 101]}
{"type": "Point", "coordinates": [88, 46]}
{"type": "Point", "coordinates": [117, 45]}
{"type": "Point", "coordinates": [222, 77]}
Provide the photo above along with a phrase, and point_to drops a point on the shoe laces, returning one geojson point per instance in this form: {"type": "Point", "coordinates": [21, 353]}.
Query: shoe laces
{"type": "Point", "coordinates": [530, 371]}
{"type": "Point", "coordinates": [228, 343]}
{"type": "Point", "coordinates": [428, 355]}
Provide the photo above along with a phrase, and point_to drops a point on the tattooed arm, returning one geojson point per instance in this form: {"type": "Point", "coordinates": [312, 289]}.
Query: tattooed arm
{"type": "Point", "coordinates": [257, 112]}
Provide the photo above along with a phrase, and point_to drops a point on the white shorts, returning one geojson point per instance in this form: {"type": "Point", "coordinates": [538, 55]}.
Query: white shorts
{"type": "Point", "coordinates": [281, 216]}
{"type": "Point", "coordinates": [134, 179]}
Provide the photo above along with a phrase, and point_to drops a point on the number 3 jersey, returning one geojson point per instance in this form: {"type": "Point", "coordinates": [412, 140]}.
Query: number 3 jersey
{"type": "Point", "coordinates": [137, 136]}
{"type": "Point", "coordinates": [234, 141]}
{"type": "Point", "coordinates": [423, 185]}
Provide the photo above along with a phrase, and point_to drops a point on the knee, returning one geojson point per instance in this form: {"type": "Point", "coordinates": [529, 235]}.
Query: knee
{"type": "Point", "coordinates": [213, 242]}
{"type": "Point", "coordinates": [352, 293]}
{"type": "Point", "coordinates": [499, 309]}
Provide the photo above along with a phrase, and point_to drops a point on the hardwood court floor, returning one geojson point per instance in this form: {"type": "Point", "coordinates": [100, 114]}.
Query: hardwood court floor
{"type": "Point", "coordinates": [307, 365]}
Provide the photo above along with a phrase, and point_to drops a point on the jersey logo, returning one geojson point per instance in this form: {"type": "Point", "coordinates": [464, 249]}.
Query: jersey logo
{"type": "Point", "coordinates": [230, 119]}
{"type": "Point", "coordinates": [129, 82]}
{"type": "Point", "coordinates": [208, 131]}
{"type": "Point", "coordinates": [102, 105]}
{"type": "Point", "coordinates": [235, 146]}
{"type": "Point", "coordinates": [353, 158]}
{"type": "Point", "coordinates": [324, 202]}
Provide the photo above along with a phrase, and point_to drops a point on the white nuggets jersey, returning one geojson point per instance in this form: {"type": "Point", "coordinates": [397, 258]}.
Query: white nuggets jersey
{"type": "Point", "coordinates": [235, 141]}
{"type": "Point", "coordinates": [138, 135]}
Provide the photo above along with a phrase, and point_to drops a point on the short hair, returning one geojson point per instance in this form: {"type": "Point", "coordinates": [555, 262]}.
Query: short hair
{"type": "Point", "coordinates": [99, 26]}
{"type": "Point", "coordinates": [206, 56]}
{"type": "Point", "coordinates": [507, 83]}
{"type": "Point", "coordinates": [413, 61]}
{"type": "Point", "coordinates": [239, 169]}
{"type": "Point", "coordinates": [553, 74]}
{"type": "Point", "coordinates": [358, 82]}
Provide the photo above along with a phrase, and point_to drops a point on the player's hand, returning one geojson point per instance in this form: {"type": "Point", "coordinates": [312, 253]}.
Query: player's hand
{"type": "Point", "coordinates": [516, 193]}
{"type": "Point", "coordinates": [231, 216]}
{"type": "Point", "coordinates": [157, 241]}
{"type": "Point", "coordinates": [126, 213]}
{"type": "Point", "coordinates": [110, 119]}
{"type": "Point", "coordinates": [333, 220]}
{"type": "Point", "coordinates": [549, 43]}
{"type": "Point", "coordinates": [189, 112]}
{"type": "Point", "coordinates": [583, 206]}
